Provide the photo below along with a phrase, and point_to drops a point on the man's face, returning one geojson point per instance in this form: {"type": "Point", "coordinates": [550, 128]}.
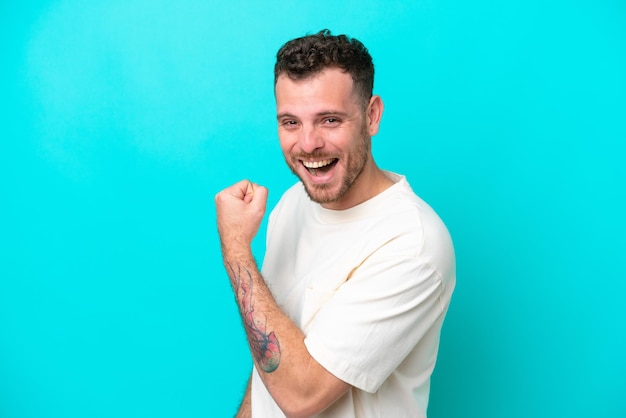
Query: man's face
{"type": "Point", "coordinates": [324, 135]}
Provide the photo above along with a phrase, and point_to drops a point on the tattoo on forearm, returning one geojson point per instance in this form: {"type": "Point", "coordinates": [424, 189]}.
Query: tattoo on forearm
{"type": "Point", "coordinates": [264, 346]}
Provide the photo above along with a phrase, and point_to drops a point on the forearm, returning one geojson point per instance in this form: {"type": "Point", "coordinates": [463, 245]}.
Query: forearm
{"type": "Point", "coordinates": [273, 338]}
{"type": "Point", "coordinates": [290, 374]}
{"type": "Point", "coordinates": [298, 384]}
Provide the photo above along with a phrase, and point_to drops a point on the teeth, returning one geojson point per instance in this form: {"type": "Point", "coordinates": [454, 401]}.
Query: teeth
{"type": "Point", "coordinates": [316, 164]}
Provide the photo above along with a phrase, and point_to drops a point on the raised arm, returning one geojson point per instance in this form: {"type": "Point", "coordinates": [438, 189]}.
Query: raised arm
{"type": "Point", "coordinates": [299, 384]}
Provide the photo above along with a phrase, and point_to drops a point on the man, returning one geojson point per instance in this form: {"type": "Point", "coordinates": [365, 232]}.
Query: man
{"type": "Point", "coordinates": [344, 320]}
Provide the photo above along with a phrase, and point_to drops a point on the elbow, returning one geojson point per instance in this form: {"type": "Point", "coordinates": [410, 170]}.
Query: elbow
{"type": "Point", "coordinates": [299, 411]}
{"type": "Point", "coordinates": [305, 406]}
{"type": "Point", "coordinates": [301, 406]}
{"type": "Point", "coordinates": [306, 398]}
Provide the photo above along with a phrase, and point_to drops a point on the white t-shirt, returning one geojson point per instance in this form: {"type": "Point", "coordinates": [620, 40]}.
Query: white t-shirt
{"type": "Point", "coordinates": [369, 287]}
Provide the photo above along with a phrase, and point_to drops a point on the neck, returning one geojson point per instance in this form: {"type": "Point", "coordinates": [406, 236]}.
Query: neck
{"type": "Point", "coordinates": [371, 182]}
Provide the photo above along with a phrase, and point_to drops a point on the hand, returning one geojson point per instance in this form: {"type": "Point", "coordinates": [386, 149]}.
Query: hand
{"type": "Point", "coordinates": [240, 209]}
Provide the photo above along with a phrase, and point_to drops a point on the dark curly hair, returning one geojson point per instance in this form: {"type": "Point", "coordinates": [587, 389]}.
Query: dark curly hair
{"type": "Point", "coordinates": [303, 57]}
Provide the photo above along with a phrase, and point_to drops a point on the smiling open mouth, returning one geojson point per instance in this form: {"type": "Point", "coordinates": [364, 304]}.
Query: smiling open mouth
{"type": "Point", "coordinates": [317, 168]}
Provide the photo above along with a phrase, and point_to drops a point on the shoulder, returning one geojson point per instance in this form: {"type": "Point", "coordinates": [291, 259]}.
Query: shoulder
{"type": "Point", "coordinates": [420, 232]}
{"type": "Point", "coordinates": [292, 205]}
{"type": "Point", "coordinates": [403, 208]}
{"type": "Point", "coordinates": [292, 198]}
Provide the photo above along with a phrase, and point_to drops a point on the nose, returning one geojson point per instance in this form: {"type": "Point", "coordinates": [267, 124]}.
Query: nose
{"type": "Point", "coordinates": [310, 139]}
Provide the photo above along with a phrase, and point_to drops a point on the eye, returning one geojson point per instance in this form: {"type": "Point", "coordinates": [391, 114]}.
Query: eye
{"type": "Point", "coordinates": [288, 123]}
{"type": "Point", "coordinates": [332, 121]}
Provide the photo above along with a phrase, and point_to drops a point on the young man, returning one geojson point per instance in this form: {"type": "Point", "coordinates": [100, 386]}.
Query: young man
{"type": "Point", "coordinates": [361, 270]}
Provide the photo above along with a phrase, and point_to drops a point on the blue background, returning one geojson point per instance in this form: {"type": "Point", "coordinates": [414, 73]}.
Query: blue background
{"type": "Point", "coordinates": [120, 120]}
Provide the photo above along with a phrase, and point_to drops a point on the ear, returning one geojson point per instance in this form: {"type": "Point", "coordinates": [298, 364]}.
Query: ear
{"type": "Point", "coordinates": [374, 113]}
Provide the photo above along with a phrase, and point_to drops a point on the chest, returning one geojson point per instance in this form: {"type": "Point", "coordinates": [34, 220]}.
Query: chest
{"type": "Point", "coordinates": [304, 266]}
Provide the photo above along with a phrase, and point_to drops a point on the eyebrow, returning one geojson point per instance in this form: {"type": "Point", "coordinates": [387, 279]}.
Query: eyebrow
{"type": "Point", "coordinates": [284, 115]}
{"type": "Point", "coordinates": [320, 114]}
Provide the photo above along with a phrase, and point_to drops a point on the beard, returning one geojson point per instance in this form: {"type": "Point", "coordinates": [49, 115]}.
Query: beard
{"type": "Point", "coordinates": [356, 161]}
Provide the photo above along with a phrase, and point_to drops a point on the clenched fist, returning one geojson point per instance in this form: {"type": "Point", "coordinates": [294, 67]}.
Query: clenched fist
{"type": "Point", "coordinates": [240, 209]}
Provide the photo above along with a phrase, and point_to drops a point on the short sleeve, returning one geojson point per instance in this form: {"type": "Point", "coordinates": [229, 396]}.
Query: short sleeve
{"type": "Point", "coordinates": [369, 325]}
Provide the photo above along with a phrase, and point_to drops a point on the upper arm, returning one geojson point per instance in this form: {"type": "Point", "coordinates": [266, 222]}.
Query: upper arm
{"type": "Point", "coordinates": [369, 324]}
{"type": "Point", "coordinates": [313, 390]}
